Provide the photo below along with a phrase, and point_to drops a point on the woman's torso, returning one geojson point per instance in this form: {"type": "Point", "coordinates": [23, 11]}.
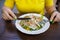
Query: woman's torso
{"type": "Point", "coordinates": [30, 5]}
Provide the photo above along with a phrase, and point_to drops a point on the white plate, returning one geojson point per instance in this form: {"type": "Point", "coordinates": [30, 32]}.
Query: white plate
{"type": "Point", "coordinates": [45, 28]}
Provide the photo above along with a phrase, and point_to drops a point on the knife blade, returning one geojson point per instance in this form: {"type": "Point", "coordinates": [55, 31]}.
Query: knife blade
{"type": "Point", "coordinates": [23, 18]}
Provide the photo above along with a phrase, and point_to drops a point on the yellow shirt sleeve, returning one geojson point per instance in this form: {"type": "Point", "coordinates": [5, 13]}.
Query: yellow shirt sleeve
{"type": "Point", "coordinates": [9, 3]}
{"type": "Point", "coordinates": [49, 3]}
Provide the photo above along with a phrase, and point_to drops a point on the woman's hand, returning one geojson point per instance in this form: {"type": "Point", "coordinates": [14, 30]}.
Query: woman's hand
{"type": "Point", "coordinates": [55, 17]}
{"type": "Point", "coordinates": [8, 14]}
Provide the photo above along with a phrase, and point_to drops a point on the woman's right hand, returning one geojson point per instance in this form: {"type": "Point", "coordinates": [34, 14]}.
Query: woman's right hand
{"type": "Point", "coordinates": [8, 14]}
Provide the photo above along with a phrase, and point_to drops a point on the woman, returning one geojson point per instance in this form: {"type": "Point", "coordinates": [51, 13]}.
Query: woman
{"type": "Point", "coordinates": [27, 6]}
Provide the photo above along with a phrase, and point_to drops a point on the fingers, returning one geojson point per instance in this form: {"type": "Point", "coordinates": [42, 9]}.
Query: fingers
{"type": "Point", "coordinates": [7, 15]}
{"type": "Point", "coordinates": [4, 17]}
{"type": "Point", "coordinates": [55, 20]}
{"type": "Point", "coordinates": [52, 17]}
{"type": "Point", "coordinates": [12, 14]}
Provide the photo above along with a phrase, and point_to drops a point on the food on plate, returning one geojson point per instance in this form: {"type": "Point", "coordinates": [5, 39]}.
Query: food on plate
{"type": "Point", "coordinates": [35, 23]}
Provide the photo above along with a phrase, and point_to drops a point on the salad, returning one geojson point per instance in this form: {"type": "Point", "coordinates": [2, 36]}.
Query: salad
{"type": "Point", "coordinates": [35, 23]}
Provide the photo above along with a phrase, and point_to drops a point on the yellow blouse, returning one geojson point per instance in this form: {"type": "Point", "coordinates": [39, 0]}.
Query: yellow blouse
{"type": "Point", "coordinates": [29, 5]}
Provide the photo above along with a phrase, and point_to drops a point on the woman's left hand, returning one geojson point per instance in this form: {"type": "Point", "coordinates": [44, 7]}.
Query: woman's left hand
{"type": "Point", "coordinates": [55, 17]}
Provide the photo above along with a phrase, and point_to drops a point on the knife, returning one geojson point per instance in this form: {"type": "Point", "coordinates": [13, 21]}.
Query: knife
{"type": "Point", "coordinates": [23, 18]}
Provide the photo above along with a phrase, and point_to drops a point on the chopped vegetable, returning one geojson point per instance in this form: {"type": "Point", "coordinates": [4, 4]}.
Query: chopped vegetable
{"type": "Point", "coordinates": [35, 23]}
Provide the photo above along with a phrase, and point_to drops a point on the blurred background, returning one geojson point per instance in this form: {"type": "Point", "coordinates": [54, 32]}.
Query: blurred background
{"type": "Point", "coordinates": [1, 26]}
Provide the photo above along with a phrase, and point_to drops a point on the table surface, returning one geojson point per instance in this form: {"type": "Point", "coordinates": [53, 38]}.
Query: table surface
{"type": "Point", "coordinates": [53, 33]}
